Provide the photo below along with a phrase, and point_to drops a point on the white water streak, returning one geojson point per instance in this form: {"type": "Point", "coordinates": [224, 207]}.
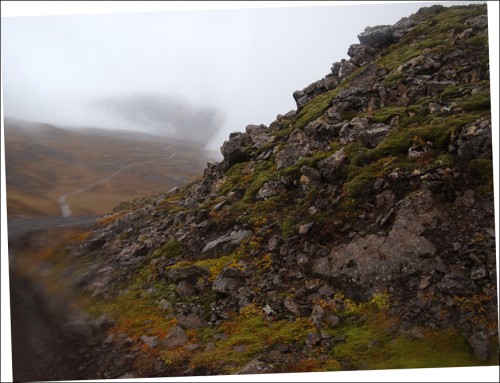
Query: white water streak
{"type": "Point", "coordinates": [62, 200]}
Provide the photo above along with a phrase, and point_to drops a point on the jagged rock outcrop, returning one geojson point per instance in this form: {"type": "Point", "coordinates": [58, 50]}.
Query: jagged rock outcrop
{"type": "Point", "coordinates": [375, 195]}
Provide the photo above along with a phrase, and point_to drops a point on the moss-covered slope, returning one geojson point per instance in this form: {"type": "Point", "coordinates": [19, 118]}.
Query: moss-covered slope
{"type": "Point", "coordinates": [356, 232]}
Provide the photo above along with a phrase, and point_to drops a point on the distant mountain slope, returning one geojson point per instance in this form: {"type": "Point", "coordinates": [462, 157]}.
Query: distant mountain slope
{"type": "Point", "coordinates": [44, 162]}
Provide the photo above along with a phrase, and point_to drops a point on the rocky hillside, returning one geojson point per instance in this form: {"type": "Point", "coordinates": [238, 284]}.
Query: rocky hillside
{"type": "Point", "coordinates": [356, 232]}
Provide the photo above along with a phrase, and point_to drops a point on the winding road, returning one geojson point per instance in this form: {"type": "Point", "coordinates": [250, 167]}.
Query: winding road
{"type": "Point", "coordinates": [62, 200]}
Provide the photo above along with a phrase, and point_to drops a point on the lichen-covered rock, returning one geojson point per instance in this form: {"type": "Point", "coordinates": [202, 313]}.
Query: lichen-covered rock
{"type": "Point", "coordinates": [135, 250]}
{"type": "Point", "coordinates": [190, 322]}
{"type": "Point", "coordinates": [311, 173]}
{"type": "Point", "coordinates": [346, 68]}
{"type": "Point", "coordinates": [478, 22]}
{"type": "Point", "coordinates": [454, 282]}
{"type": "Point", "coordinates": [402, 27]}
{"type": "Point", "coordinates": [305, 228]}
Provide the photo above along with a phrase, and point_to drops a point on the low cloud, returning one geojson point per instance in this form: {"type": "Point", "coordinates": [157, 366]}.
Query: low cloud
{"type": "Point", "coordinates": [166, 115]}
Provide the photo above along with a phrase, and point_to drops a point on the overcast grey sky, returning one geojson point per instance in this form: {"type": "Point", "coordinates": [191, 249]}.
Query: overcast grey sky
{"type": "Point", "coordinates": [238, 66]}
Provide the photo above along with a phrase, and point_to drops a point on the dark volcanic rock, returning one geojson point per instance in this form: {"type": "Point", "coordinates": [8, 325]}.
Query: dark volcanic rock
{"type": "Point", "coordinates": [330, 166]}
{"type": "Point", "coordinates": [474, 141]}
{"type": "Point", "coordinates": [379, 36]}
{"type": "Point", "coordinates": [176, 337]}
{"type": "Point", "coordinates": [234, 149]}
{"type": "Point", "coordinates": [228, 281]}
{"type": "Point", "coordinates": [479, 342]}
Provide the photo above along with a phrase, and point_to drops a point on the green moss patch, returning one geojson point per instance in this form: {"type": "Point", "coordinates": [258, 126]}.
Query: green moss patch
{"type": "Point", "coordinates": [373, 340]}
{"type": "Point", "coordinates": [248, 335]}
{"type": "Point", "coordinates": [367, 347]}
{"type": "Point", "coordinates": [392, 79]}
{"type": "Point", "coordinates": [476, 102]}
{"type": "Point", "coordinates": [135, 310]}
{"type": "Point", "coordinates": [264, 172]}
{"type": "Point", "coordinates": [432, 33]}
{"type": "Point", "coordinates": [234, 178]}
{"type": "Point", "coordinates": [315, 107]}
{"type": "Point", "coordinates": [171, 249]}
